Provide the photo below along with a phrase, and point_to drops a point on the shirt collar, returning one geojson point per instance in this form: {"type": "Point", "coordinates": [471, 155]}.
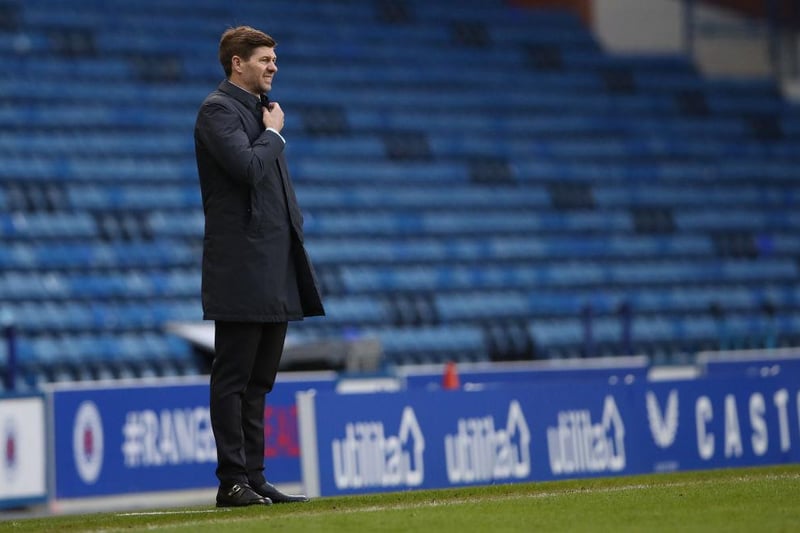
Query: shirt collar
{"type": "Point", "coordinates": [245, 97]}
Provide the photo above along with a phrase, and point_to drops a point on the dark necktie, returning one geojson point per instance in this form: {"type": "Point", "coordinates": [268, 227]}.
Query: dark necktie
{"type": "Point", "coordinates": [262, 103]}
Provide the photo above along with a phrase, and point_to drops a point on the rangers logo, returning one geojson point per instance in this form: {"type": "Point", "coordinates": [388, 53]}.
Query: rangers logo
{"type": "Point", "coordinates": [10, 459]}
{"type": "Point", "coordinates": [87, 442]}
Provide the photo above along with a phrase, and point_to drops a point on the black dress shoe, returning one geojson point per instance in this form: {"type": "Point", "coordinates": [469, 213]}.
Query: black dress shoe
{"type": "Point", "coordinates": [240, 495]}
{"type": "Point", "coordinates": [268, 490]}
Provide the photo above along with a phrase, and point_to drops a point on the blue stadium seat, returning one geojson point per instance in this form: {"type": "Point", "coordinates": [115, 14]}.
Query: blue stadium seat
{"type": "Point", "coordinates": [452, 222]}
{"type": "Point", "coordinates": [430, 344]}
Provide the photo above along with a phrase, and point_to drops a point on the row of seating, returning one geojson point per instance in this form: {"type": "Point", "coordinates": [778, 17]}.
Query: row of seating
{"type": "Point", "coordinates": [119, 70]}
{"type": "Point", "coordinates": [49, 315]}
{"type": "Point", "coordinates": [22, 225]}
{"type": "Point", "coordinates": [117, 104]}
{"type": "Point", "coordinates": [82, 293]}
{"type": "Point", "coordinates": [183, 201]}
{"type": "Point", "coordinates": [665, 302]}
{"type": "Point", "coordinates": [359, 223]}
{"type": "Point", "coordinates": [652, 330]}
{"type": "Point", "coordinates": [537, 249]}
{"type": "Point", "coordinates": [429, 343]}
{"type": "Point", "coordinates": [135, 286]}
{"type": "Point", "coordinates": [87, 356]}
{"type": "Point", "coordinates": [739, 166]}
{"type": "Point", "coordinates": [451, 219]}
{"type": "Point", "coordinates": [606, 137]}
{"type": "Point", "coordinates": [130, 169]}
{"type": "Point", "coordinates": [572, 259]}
{"type": "Point", "coordinates": [93, 254]}
{"type": "Point", "coordinates": [177, 197]}
{"type": "Point", "coordinates": [537, 196]}
{"type": "Point", "coordinates": [360, 279]}
{"type": "Point", "coordinates": [127, 168]}
{"type": "Point", "coordinates": [549, 338]}
{"type": "Point", "coordinates": [450, 146]}
{"type": "Point", "coordinates": [89, 285]}
{"type": "Point", "coordinates": [103, 144]}
{"type": "Point", "coordinates": [581, 122]}
{"type": "Point", "coordinates": [545, 126]}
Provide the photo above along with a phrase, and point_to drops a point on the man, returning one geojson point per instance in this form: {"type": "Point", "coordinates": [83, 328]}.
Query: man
{"type": "Point", "coordinates": [256, 273]}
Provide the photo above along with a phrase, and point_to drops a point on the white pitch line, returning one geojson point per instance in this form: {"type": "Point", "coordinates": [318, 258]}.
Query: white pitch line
{"type": "Point", "coordinates": [158, 513]}
{"type": "Point", "coordinates": [400, 506]}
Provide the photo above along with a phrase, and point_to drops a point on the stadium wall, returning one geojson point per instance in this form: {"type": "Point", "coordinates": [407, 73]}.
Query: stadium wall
{"type": "Point", "coordinates": [148, 443]}
{"type": "Point", "coordinates": [742, 411]}
{"type": "Point", "coordinates": [727, 40]}
{"type": "Point", "coordinates": [723, 43]}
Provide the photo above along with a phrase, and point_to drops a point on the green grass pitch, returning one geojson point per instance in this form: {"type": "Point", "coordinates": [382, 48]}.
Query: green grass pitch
{"type": "Point", "coordinates": [748, 499]}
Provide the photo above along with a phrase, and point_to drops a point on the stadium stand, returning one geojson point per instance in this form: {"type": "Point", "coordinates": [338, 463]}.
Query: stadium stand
{"type": "Point", "coordinates": [481, 182]}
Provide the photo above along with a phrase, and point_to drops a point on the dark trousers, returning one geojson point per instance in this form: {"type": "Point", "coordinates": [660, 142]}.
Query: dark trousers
{"type": "Point", "coordinates": [245, 364]}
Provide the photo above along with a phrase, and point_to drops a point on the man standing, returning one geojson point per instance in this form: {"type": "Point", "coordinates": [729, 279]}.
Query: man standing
{"type": "Point", "coordinates": [256, 273]}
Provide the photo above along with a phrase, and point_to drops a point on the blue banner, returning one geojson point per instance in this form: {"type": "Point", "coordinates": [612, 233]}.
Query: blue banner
{"type": "Point", "coordinates": [432, 439]}
{"type": "Point", "coordinates": [720, 422]}
{"type": "Point", "coordinates": [132, 439]}
{"type": "Point", "coordinates": [536, 432]}
{"type": "Point", "coordinates": [139, 438]}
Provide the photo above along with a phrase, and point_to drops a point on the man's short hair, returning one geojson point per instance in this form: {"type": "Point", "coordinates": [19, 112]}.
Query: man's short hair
{"type": "Point", "coordinates": [241, 41]}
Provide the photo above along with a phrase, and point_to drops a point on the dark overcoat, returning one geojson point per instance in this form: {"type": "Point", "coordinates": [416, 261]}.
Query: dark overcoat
{"type": "Point", "coordinates": [255, 266]}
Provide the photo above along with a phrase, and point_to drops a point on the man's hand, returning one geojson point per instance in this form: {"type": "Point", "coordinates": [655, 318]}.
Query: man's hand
{"type": "Point", "coordinates": [273, 117]}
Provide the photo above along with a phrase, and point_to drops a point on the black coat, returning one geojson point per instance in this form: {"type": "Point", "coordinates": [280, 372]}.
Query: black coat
{"type": "Point", "coordinates": [255, 267]}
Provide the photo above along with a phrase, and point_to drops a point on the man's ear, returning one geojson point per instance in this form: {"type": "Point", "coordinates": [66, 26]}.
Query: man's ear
{"type": "Point", "coordinates": [236, 63]}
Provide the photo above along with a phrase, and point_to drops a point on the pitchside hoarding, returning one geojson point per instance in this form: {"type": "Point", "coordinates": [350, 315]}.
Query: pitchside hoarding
{"type": "Point", "coordinates": [121, 438]}
{"type": "Point", "coordinates": [23, 445]}
{"type": "Point", "coordinates": [719, 422]}
{"type": "Point", "coordinates": [434, 439]}
{"type": "Point", "coordinates": [117, 439]}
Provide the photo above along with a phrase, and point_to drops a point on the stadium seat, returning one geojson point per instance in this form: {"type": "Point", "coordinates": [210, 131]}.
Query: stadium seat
{"type": "Point", "coordinates": [452, 219]}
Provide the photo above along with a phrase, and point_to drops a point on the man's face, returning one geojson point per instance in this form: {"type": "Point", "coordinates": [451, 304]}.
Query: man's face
{"type": "Point", "coordinates": [257, 72]}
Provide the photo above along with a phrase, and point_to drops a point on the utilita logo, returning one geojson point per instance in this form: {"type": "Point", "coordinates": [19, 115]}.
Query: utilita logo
{"type": "Point", "coordinates": [367, 457]}
{"type": "Point", "coordinates": [479, 452]}
{"type": "Point", "coordinates": [577, 444]}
